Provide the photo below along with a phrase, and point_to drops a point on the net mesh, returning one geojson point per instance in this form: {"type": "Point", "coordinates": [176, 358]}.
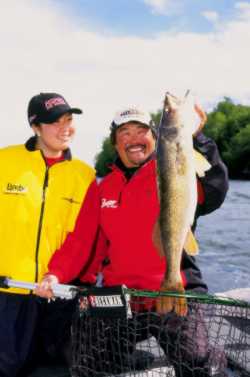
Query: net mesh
{"type": "Point", "coordinates": [213, 339]}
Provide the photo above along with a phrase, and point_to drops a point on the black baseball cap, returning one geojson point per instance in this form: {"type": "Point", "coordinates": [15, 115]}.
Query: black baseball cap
{"type": "Point", "coordinates": [48, 107]}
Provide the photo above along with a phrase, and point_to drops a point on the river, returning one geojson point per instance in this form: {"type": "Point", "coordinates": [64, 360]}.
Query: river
{"type": "Point", "coordinates": [224, 239]}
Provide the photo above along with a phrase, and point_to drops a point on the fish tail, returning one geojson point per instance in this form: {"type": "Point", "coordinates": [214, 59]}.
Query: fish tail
{"type": "Point", "coordinates": [166, 304]}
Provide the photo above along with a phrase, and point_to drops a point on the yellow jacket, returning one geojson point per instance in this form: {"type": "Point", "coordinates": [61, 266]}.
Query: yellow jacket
{"type": "Point", "coordinates": [38, 207]}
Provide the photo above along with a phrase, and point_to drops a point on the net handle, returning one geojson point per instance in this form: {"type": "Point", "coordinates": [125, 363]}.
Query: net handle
{"type": "Point", "coordinates": [63, 291]}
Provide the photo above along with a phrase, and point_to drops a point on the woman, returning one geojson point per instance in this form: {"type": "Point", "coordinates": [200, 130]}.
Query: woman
{"type": "Point", "coordinates": [42, 190]}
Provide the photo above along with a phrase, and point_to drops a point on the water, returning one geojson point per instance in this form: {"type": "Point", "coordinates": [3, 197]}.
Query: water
{"type": "Point", "coordinates": [224, 239]}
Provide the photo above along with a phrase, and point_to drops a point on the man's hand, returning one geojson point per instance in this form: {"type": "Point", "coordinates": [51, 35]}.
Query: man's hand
{"type": "Point", "coordinates": [45, 288]}
{"type": "Point", "coordinates": [202, 115]}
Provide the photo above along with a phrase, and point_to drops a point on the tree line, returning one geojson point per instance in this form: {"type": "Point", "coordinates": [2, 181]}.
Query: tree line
{"type": "Point", "coordinates": [228, 124]}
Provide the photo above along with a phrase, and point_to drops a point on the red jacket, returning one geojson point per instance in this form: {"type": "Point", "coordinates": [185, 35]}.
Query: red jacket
{"type": "Point", "coordinates": [130, 208]}
{"type": "Point", "coordinates": [129, 211]}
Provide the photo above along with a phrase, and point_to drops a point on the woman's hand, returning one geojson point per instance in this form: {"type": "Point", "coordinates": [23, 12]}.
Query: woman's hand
{"type": "Point", "coordinates": [45, 288]}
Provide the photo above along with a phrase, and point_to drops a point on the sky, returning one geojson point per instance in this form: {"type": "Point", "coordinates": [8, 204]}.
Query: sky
{"type": "Point", "coordinates": [103, 55]}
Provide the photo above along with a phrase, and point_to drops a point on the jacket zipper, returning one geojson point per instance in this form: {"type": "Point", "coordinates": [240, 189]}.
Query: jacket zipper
{"type": "Point", "coordinates": [45, 185]}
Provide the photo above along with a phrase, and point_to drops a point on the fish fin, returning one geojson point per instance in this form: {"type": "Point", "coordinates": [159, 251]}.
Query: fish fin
{"type": "Point", "coordinates": [156, 237]}
{"type": "Point", "coordinates": [201, 164]}
{"type": "Point", "coordinates": [191, 245]}
{"type": "Point", "coordinates": [166, 304]}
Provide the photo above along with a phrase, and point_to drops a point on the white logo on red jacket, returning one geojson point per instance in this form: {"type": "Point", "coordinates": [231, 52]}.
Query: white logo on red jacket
{"type": "Point", "coordinates": [109, 203]}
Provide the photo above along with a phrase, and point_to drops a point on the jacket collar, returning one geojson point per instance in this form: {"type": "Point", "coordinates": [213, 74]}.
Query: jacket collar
{"type": "Point", "coordinates": [148, 165]}
{"type": "Point", "coordinates": [30, 145]}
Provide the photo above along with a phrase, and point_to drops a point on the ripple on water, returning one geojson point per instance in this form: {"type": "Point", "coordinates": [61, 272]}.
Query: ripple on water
{"type": "Point", "coordinates": [224, 239]}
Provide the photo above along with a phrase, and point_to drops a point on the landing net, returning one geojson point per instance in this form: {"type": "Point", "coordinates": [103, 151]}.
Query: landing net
{"type": "Point", "coordinates": [116, 331]}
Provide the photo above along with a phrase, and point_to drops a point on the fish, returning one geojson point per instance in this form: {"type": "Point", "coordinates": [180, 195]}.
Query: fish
{"type": "Point", "coordinates": [177, 191]}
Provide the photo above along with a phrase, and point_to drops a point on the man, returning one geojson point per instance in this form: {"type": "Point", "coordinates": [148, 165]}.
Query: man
{"type": "Point", "coordinates": [42, 188]}
{"type": "Point", "coordinates": [129, 209]}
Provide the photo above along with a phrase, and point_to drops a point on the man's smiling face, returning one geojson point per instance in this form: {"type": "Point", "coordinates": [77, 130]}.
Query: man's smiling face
{"type": "Point", "coordinates": [134, 143]}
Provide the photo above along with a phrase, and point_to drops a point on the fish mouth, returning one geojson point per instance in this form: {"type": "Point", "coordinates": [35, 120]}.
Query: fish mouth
{"type": "Point", "coordinates": [171, 102]}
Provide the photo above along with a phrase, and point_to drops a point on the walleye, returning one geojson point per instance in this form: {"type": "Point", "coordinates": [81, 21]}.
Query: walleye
{"type": "Point", "coordinates": [177, 189]}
